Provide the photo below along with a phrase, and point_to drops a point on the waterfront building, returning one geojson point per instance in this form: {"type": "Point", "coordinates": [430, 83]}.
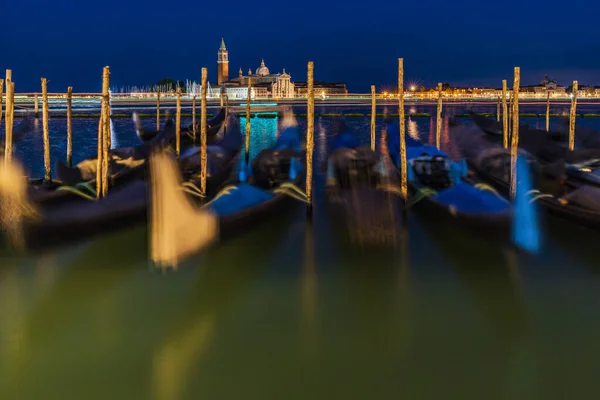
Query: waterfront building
{"type": "Point", "coordinates": [266, 84]}
{"type": "Point", "coordinates": [545, 86]}
{"type": "Point", "coordinates": [321, 88]}
{"type": "Point", "coordinates": [277, 85]}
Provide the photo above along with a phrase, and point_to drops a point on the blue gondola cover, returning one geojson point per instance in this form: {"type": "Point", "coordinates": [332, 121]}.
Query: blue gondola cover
{"type": "Point", "coordinates": [295, 168]}
{"type": "Point", "coordinates": [242, 197]}
{"type": "Point", "coordinates": [466, 198]}
{"type": "Point", "coordinates": [288, 138]}
{"type": "Point", "coordinates": [344, 140]}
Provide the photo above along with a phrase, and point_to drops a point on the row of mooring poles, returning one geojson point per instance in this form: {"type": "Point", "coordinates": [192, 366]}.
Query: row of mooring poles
{"type": "Point", "coordinates": [514, 142]}
{"type": "Point", "coordinates": [10, 94]}
{"type": "Point", "coordinates": [403, 166]}
{"type": "Point", "coordinates": [104, 125]}
{"type": "Point", "coordinates": [572, 114]}
{"type": "Point", "coordinates": [203, 139]}
{"type": "Point", "coordinates": [514, 119]}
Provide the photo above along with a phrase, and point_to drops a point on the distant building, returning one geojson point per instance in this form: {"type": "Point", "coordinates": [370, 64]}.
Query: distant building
{"type": "Point", "coordinates": [485, 92]}
{"type": "Point", "coordinates": [266, 84]}
{"type": "Point", "coordinates": [545, 86]}
{"type": "Point", "coordinates": [321, 88]}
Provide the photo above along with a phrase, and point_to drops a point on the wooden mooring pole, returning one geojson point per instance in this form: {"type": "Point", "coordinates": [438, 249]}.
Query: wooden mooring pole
{"type": "Point", "coordinates": [248, 119]}
{"type": "Point", "coordinates": [310, 133]}
{"type": "Point", "coordinates": [9, 119]}
{"type": "Point", "coordinates": [373, 116]}
{"type": "Point", "coordinates": [573, 115]}
{"type": "Point", "coordinates": [7, 84]}
{"type": "Point", "coordinates": [226, 111]}
{"type": "Point", "coordinates": [105, 129]}
{"type": "Point", "coordinates": [99, 159]}
{"type": "Point", "coordinates": [504, 115]}
{"type": "Point", "coordinates": [69, 126]}
{"type": "Point", "coordinates": [498, 109]}
{"type": "Point", "coordinates": [514, 143]}
{"type": "Point", "coordinates": [203, 160]}
{"type": "Point", "coordinates": [438, 126]}
{"type": "Point", "coordinates": [36, 104]}
{"type": "Point", "coordinates": [194, 118]}
{"type": "Point", "coordinates": [511, 111]}
{"type": "Point", "coordinates": [548, 111]}
{"type": "Point", "coordinates": [158, 108]}
{"type": "Point", "coordinates": [403, 164]}
{"type": "Point", "coordinates": [178, 123]}
{"type": "Point", "coordinates": [1, 97]}
{"type": "Point", "coordinates": [46, 130]}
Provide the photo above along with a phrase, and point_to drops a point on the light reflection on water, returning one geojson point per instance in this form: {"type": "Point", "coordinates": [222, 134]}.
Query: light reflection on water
{"type": "Point", "coordinates": [413, 129]}
{"type": "Point", "coordinates": [249, 318]}
{"type": "Point", "coordinates": [263, 134]}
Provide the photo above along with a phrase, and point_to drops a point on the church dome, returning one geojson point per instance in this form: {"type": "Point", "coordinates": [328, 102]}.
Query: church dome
{"type": "Point", "coordinates": [262, 70]}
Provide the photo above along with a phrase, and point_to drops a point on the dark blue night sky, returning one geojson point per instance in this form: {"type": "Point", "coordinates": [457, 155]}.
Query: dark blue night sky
{"type": "Point", "coordinates": [469, 42]}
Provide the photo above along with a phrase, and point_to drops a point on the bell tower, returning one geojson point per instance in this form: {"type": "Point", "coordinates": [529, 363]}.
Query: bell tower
{"type": "Point", "coordinates": [223, 63]}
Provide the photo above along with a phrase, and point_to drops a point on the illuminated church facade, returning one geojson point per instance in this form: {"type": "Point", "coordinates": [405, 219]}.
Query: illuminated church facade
{"type": "Point", "coordinates": [263, 82]}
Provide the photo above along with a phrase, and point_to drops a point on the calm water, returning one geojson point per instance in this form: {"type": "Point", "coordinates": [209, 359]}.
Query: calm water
{"type": "Point", "coordinates": [292, 311]}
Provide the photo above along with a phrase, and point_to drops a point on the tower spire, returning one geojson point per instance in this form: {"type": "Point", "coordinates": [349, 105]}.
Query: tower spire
{"type": "Point", "coordinates": [223, 63]}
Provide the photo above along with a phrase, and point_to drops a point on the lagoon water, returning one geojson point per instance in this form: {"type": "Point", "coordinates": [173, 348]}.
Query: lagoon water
{"type": "Point", "coordinates": [292, 311]}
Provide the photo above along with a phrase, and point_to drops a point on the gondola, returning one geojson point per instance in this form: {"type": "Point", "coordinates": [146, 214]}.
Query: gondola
{"type": "Point", "coordinates": [581, 165]}
{"type": "Point", "coordinates": [440, 186]}
{"type": "Point", "coordinates": [585, 138]}
{"type": "Point", "coordinates": [212, 129]}
{"type": "Point", "coordinates": [495, 128]}
{"type": "Point", "coordinates": [42, 226]}
{"type": "Point", "coordinates": [359, 190]}
{"type": "Point", "coordinates": [179, 229]}
{"type": "Point", "coordinates": [556, 193]}
{"type": "Point", "coordinates": [126, 165]}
